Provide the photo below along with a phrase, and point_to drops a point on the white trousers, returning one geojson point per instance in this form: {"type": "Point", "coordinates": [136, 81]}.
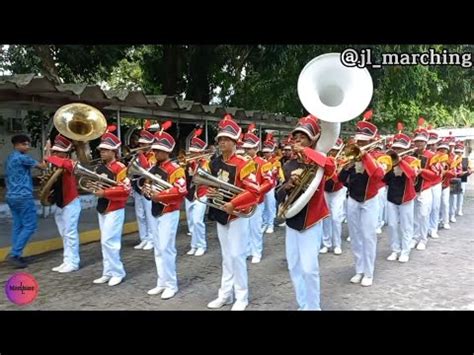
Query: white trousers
{"type": "Point", "coordinates": [362, 218]}
{"type": "Point", "coordinates": [233, 239]}
{"type": "Point", "coordinates": [423, 206]}
{"type": "Point", "coordinates": [66, 220]}
{"type": "Point", "coordinates": [111, 226]}
{"type": "Point", "coordinates": [436, 205]}
{"type": "Point", "coordinates": [255, 231]}
{"type": "Point", "coordinates": [383, 216]}
{"type": "Point", "coordinates": [332, 226]}
{"type": "Point", "coordinates": [302, 254]}
{"type": "Point", "coordinates": [144, 216]}
{"type": "Point", "coordinates": [164, 241]}
{"type": "Point", "coordinates": [269, 211]}
{"type": "Point", "coordinates": [400, 226]}
{"type": "Point", "coordinates": [456, 201]}
{"type": "Point", "coordinates": [195, 212]}
{"type": "Point", "coordinates": [444, 209]}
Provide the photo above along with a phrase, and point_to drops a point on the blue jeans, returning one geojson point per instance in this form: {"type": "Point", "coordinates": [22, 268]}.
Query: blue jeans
{"type": "Point", "coordinates": [24, 223]}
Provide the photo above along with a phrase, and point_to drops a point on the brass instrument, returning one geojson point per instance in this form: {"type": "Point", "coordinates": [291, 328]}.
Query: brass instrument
{"type": "Point", "coordinates": [352, 153]}
{"type": "Point", "coordinates": [225, 192]}
{"type": "Point", "coordinates": [152, 184]}
{"type": "Point", "coordinates": [396, 157]}
{"type": "Point", "coordinates": [185, 159]}
{"type": "Point", "coordinates": [90, 181]}
{"type": "Point", "coordinates": [78, 122]}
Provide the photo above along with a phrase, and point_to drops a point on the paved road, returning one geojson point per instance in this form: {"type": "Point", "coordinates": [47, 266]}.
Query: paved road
{"type": "Point", "coordinates": [439, 278]}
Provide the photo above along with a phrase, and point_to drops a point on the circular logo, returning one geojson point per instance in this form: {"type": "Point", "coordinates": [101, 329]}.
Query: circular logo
{"type": "Point", "coordinates": [22, 288]}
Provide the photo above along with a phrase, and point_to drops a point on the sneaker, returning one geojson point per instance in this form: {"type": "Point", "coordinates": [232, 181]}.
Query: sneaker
{"type": "Point", "coordinates": [67, 268]}
{"type": "Point", "coordinates": [460, 213]}
{"type": "Point", "coordinates": [446, 226]}
{"type": "Point", "coordinates": [102, 280]}
{"type": "Point", "coordinates": [421, 246]}
{"type": "Point", "coordinates": [192, 251]}
{"type": "Point", "coordinates": [367, 281]}
{"type": "Point", "coordinates": [348, 238]}
{"type": "Point", "coordinates": [434, 235]}
{"type": "Point", "coordinates": [337, 251]}
{"type": "Point", "coordinates": [356, 278]}
{"type": "Point", "coordinates": [148, 245]}
{"type": "Point", "coordinates": [168, 293]}
{"type": "Point", "coordinates": [200, 252]}
{"type": "Point", "coordinates": [323, 250]}
{"type": "Point", "coordinates": [140, 245]}
{"type": "Point", "coordinates": [256, 259]}
{"type": "Point", "coordinates": [219, 303]}
{"type": "Point", "coordinates": [58, 267]}
{"type": "Point", "coordinates": [378, 230]}
{"type": "Point", "coordinates": [115, 280]}
{"type": "Point", "coordinates": [282, 224]}
{"type": "Point", "coordinates": [393, 256]}
{"type": "Point", "coordinates": [17, 262]}
{"type": "Point", "coordinates": [239, 306]}
{"type": "Point", "coordinates": [403, 258]}
{"type": "Point", "coordinates": [156, 290]}
{"type": "Point", "coordinates": [269, 230]}
{"type": "Point", "coordinates": [452, 219]}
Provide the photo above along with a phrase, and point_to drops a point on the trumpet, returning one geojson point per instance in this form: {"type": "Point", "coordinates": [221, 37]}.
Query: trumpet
{"type": "Point", "coordinates": [353, 153]}
{"type": "Point", "coordinates": [225, 192]}
{"type": "Point", "coordinates": [90, 181]}
{"type": "Point", "coordinates": [396, 157]}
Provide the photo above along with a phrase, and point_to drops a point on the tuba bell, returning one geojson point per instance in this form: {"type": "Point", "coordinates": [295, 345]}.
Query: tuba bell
{"type": "Point", "coordinates": [334, 94]}
{"type": "Point", "coordinates": [78, 122]}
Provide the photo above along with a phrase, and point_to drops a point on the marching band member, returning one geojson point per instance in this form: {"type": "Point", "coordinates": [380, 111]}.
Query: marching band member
{"type": "Point", "coordinates": [165, 209]}
{"type": "Point", "coordinates": [68, 204]}
{"type": "Point", "coordinates": [304, 231]}
{"type": "Point", "coordinates": [269, 211]}
{"type": "Point", "coordinates": [433, 140]}
{"type": "Point", "coordinates": [265, 180]}
{"type": "Point", "coordinates": [401, 194]}
{"type": "Point", "coordinates": [231, 230]}
{"type": "Point", "coordinates": [423, 182]}
{"type": "Point", "coordinates": [287, 151]}
{"type": "Point", "coordinates": [111, 209]}
{"type": "Point", "coordinates": [335, 194]}
{"type": "Point", "coordinates": [449, 171]}
{"type": "Point", "coordinates": [455, 195]}
{"type": "Point", "coordinates": [195, 210]}
{"type": "Point", "coordinates": [363, 181]}
{"type": "Point", "coordinates": [465, 171]}
{"type": "Point", "coordinates": [143, 204]}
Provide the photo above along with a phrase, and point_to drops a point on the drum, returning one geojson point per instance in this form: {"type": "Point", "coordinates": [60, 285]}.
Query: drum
{"type": "Point", "coordinates": [455, 186]}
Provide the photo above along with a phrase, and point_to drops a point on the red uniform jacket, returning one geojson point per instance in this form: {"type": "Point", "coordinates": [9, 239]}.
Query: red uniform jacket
{"type": "Point", "coordinates": [451, 170]}
{"type": "Point", "coordinates": [436, 167]}
{"type": "Point", "coordinates": [363, 186]}
{"type": "Point", "coordinates": [264, 176]}
{"type": "Point", "coordinates": [190, 170]}
{"type": "Point", "coordinates": [171, 199]}
{"type": "Point", "coordinates": [426, 176]}
{"type": "Point", "coordinates": [115, 197]}
{"type": "Point", "coordinates": [65, 188]}
{"type": "Point", "coordinates": [316, 209]}
{"type": "Point", "coordinates": [241, 172]}
{"type": "Point", "coordinates": [277, 170]}
{"type": "Point", "coordinates": [376, 154]}
{"type": "Point", "coordinates": [401, 188]}
{"type": "Point", "coordinates": [146, 161]}
{"type": "Point", "coordinates": [332, 182]}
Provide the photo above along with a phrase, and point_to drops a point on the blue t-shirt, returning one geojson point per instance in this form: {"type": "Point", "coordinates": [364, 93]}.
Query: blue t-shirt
{"type": "Point", "coordinates": [18, 180]}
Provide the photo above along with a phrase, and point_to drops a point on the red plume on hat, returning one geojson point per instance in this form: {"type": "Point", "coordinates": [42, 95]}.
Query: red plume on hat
{"type": "Point", "coordinates": [111, 128]}
{"type": "Point", "coordinates": [269, 137]}
{"type": "Point", "coordinates": [421, 121]}
{"type": "Point", "coordinates": [165, 126]}
{"type": "Point", "coordinates": [147, 124]}
{"type": "Point", "coordinates": [399, 127]}
{"type": "Point", "coordinates": [252, 128]}
{"type": "Point", "coordinates": [368, 115]}
{"type": "Point", "coordinates": [198, 132]}
{"type": "Point", "coordinates": [430, 127]}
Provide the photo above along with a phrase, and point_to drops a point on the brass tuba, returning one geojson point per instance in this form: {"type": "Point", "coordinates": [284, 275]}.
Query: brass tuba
{"type": "Point", "coordinates": [334, 93]}
{"type": "Point", "coordinates": [78, 122]}
{"type": "Point", "coordinates": [225, 192]}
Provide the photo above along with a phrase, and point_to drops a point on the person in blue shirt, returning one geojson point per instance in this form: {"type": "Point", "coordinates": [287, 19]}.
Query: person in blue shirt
{"type": "Point", "coordinates": [19, 196]}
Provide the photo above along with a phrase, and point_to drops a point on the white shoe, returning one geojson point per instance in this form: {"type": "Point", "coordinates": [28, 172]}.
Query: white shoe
{"type": "Point", "coordinates": [200, 252]}
{"type": "Point", "coordinates": [239, 306]}
{"type": "Point", "coordinates": [192, 251]}
{"type": "Point", "coordinates": [256, 259]}
{"type": "Point", "coordinates": [421, 246]}
{"type": "Point", "coordinates": [323, 250]}
{"type": "Point", "coordinates": [348, 238]}
{"type": "Point", "coordinates": [378, 231]}
{"type": "Point", "coordinates": [393, 256]}
{"type": "Point", "coordinates": [337, 251]}
{"type": "Point", "coordinates": [168, 293]}
{"type": "Point", "coordinates": [102, 280]}
{"type": "Point", "coordinates": [140, 245]}
{"type": "Point", "coordinates": [452, 219]}
{"type": "Point", "coordinates": [189, 233]}
{"type": "Point", "coordinates": [148, 246]}
{"type": "Point", "coordinates": [219, 303]}
{"type": "Point", "coordinates": [446, 226]}
{"type": "Point", "coordinates": [156, 291]}
{"type": "Point", "coordinates": [269, 230]}
{"type": "Point", "coordinates": [345, 221]}
{"type": "Point", "coordinates": [356, 278]}
{"type": "Point", "coordinates": [460, 213]}
{"type": "Point", "coordinates": [434, 235]}
{"type": "Point", "coordinates": [115, 280]}
{"type": "Point", "coordinates": [282, 224]}
{"type": "Point", "coordinates": [367, 281]}
{"type": "Point", "coordinates": [403, 258]}
{"type": "Point", "coordinates": [67, 268]}
{"type": "Point", "coordinates": [412, 243]}
{"type": "Point", "coordinates": [263, 229]}
{"type": "Point", "coordinates": [57, 268]}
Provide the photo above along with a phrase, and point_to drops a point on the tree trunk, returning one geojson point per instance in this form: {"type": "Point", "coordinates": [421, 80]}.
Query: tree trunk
{"type": "Point", "coordinates": [201, 61]}
{"type": "Point", "coordinates": [48, 65]}
{"type": "Point", "coordinates": [171, 60]}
